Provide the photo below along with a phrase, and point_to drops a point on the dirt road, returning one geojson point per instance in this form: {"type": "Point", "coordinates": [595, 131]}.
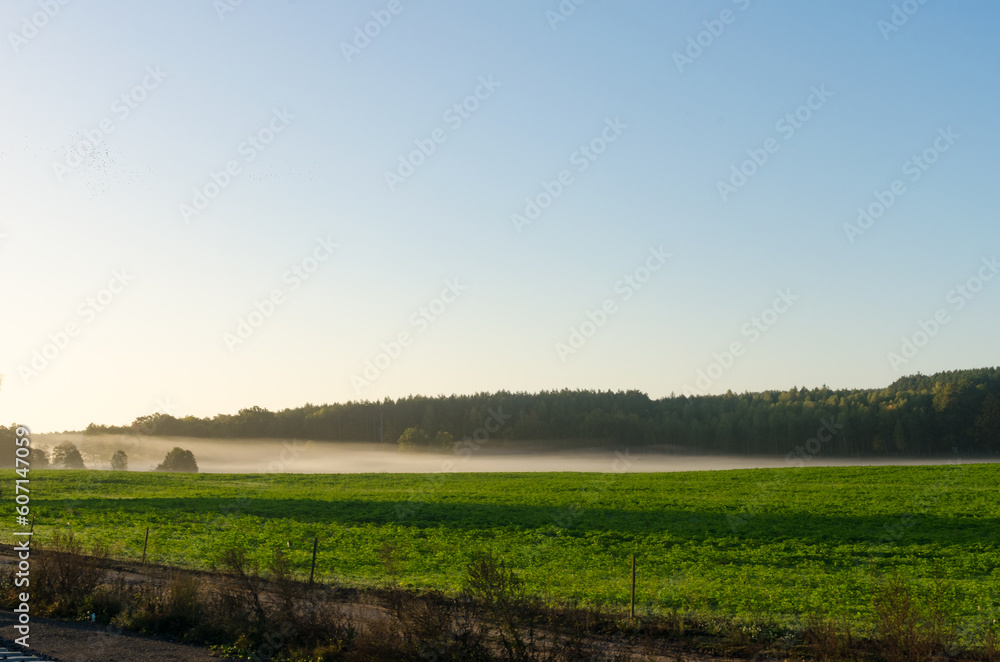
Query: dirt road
{"type": "Point", "coordinates": [71, 641]}
{"type": "Point", "coordinates": [83, 642]}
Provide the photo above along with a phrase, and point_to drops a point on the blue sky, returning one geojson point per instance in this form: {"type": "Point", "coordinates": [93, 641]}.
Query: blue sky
{"type": "Point", "coordinates": [121, 303]}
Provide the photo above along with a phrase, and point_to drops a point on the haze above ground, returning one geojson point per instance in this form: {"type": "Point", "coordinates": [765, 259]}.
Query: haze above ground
{"type": "Point", "coordinates": [302, 456]}
{"type": "Point", "coordinates": [653, 258]}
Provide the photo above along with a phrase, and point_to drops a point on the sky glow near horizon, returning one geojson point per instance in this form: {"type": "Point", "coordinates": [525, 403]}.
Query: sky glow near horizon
{"type": "Point", "coordinates": [662, 197]}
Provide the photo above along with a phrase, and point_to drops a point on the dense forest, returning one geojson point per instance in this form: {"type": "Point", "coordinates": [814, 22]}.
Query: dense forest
{"type": "Point", "coordinates": [916, 415]}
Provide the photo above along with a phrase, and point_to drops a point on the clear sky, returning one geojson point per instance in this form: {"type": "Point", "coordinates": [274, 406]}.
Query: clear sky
{"type": "Point", "coordinates": [535, 195]}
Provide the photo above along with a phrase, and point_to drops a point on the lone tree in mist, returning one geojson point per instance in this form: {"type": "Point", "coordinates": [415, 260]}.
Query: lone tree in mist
{"type": "Point", "coordinates": [178, 460]}
{"type": "Point", "coordinates": [68, 456]}
{"type": "Point", "coordinates": [119, 461]}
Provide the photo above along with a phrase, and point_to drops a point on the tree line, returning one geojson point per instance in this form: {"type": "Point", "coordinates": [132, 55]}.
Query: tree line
{"type": "Point", "coordinates": [67, 456]}
{"type": "Point", "coordinates": [916, 415]}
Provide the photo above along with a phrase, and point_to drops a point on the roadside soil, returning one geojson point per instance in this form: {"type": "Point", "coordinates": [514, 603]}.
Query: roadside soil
{"type": "Point", "coordinates": [68, 641]}
{"type": "Point", "coordinates": [74, 641]}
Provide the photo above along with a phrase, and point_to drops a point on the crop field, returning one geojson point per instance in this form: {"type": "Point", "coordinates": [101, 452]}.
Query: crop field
{"type": "Point", "coordinates": [757, 544]}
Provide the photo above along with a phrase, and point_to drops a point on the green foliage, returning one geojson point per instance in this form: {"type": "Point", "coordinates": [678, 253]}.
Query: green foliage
{"type": "Point", "coordinates": [776, 543]}
{"type": "Point", "coordinates": [413, 438]}
{"type": "Point", "coordinates": [916, 415]}
{"type": "Point", "coordinates": [178, 460]}
{"type": "Point", "coordinates": [443, 441]}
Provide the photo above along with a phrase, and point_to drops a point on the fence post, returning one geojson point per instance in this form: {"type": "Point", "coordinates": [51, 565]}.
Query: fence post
{"type": "Point", "coordinates": [312, 570]}
{"type": "Point", "coordinates": [144, 543]}
{"type": "Point", "coordinates": [631, 605]}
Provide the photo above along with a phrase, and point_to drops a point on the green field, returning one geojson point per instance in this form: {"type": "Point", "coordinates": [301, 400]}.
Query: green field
{"type": "Point", "coordinates": [771, 543]}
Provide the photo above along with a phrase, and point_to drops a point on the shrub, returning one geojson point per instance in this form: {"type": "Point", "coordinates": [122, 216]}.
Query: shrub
{"type": "Point", "coordinates": [66, 576]}
{"type": "Point", "coordinates": [242, 595]}
{"type": "Point", "coordinates": [119, 461]}
{"type": "Point", "coordinates": [444, 441]}
{"type": "Point", "coordinates": [413, 438]}
{"type": "Point", "coordinates": [178, 460]}
{"type": "Point", "coordinates": [825, 639]}
{"type": "Point", "coordinates": [168, 607]}
{"type": "Point", "coordinates": [502, 596]}
{"type": "Point", "coordinates": [909, 627]}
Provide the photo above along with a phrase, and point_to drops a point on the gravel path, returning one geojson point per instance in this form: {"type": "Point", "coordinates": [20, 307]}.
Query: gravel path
{"type": "Point", "coordinates": [82, 642]}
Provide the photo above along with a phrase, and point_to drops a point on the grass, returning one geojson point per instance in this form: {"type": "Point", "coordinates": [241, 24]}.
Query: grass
{"type": "Point", "coordinates": [762, 545]}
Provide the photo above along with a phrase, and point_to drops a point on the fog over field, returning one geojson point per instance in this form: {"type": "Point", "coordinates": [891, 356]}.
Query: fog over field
{"type": "Point", "coordinates": [304, 456]}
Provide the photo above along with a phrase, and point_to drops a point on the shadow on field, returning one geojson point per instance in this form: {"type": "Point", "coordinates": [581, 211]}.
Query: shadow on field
{"type": "Point", "coordinates": [814, 527]}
